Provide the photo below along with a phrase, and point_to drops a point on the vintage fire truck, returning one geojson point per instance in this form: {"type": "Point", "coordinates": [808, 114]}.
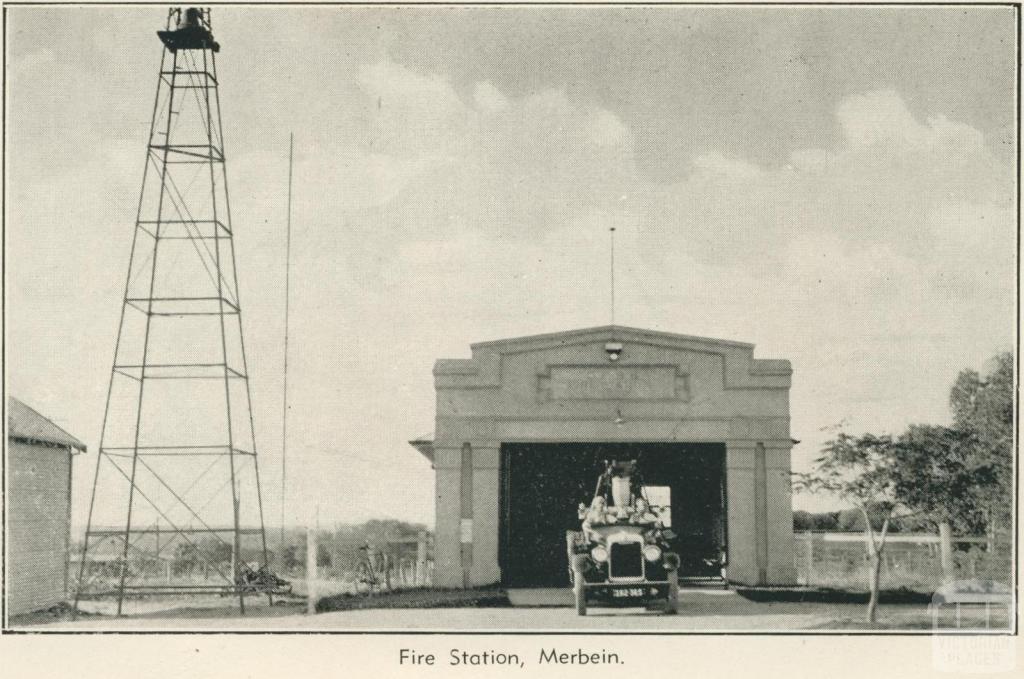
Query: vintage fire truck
{"type": "Point", "coordinates": [622, 556]}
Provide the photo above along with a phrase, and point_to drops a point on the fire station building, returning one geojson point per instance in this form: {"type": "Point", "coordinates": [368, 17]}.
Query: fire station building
{"type": "Point", "coordinates": [524, 426]}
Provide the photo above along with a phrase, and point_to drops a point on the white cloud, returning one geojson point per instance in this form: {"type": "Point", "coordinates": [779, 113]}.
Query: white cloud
{"type": "Point", "coordinates": [714, 166]}
{"type": "Point", "coordinates": [409, 111]}
{"type": "Point", "coordinates": [400, 85]}
{"type": "Point", "coordinates": [879, 118]}
{"type": "Point", "coordinates": [489, 98]}
{"type": "Point", "coordinates": [889, 184]}
{"type": "Point", "coordinates": [882, 119]}
{"type": "Point", "coordinates": [607, 130]}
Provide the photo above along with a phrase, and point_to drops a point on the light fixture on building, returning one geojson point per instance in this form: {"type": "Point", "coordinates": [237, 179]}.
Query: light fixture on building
{"type": "Point", "coordinates": [619, 419]}
{"type": "Point", "coordinates": [613, 349]}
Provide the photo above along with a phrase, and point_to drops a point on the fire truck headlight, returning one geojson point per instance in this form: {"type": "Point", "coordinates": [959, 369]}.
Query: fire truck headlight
{"type": "Point", "coordinates": [652, 552]}
{"type": "Point", "coordinates": [599, 554]}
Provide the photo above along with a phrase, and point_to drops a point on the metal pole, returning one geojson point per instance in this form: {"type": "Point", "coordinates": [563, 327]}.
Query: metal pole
{"type": "Point", "coordinates": [287, 286]}
{"type": "Point", "coordinates": [612, 269]}
{"type": "Point", "coordinates": [311, 574]}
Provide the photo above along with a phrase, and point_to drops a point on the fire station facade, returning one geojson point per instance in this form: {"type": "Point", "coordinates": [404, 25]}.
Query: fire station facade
{"type": "Point", "coordinates": [524, 426]}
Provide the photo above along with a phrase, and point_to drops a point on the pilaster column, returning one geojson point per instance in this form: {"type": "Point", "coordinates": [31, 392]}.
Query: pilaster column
{"type": "Point", "coordinates": [781, 569]}
{"type": "Point", "coordinates": [486, 471]}
{"type": "Point", "coordinates": [742, 523]}
{"type": "Point", "coordinates": [447, 551]}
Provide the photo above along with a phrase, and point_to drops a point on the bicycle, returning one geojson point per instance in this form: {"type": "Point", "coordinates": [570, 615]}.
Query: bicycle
{"type": "Point", "coordinates": [372, 569]}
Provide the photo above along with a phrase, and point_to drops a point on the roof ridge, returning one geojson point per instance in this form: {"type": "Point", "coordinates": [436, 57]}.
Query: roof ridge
{"type": "Point", "coordinates": [612, 329]}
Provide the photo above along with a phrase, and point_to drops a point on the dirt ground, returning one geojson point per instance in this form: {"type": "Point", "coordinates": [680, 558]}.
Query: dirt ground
{"type": "Point", "coordinates": [540, 610]}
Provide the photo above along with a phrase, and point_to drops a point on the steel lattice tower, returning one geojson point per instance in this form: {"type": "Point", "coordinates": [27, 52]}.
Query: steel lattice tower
{"type": "Point", "coordinates": [176, 504]}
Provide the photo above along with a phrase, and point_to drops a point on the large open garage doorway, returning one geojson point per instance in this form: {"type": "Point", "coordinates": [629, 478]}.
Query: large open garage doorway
{"type": "Point", "coordinates": [543, 483]}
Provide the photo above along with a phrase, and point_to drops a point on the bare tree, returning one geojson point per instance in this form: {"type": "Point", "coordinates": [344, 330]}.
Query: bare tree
{"type": "Point", "coordinates": [860, 471]}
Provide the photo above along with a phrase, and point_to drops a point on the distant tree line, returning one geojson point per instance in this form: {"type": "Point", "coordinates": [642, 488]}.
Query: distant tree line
{"type": "Point", "coordinates": [852, 520]}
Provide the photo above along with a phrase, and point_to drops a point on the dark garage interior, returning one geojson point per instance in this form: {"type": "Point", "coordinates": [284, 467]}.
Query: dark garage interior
{"type": "Point", "coordinates": [542, 485]}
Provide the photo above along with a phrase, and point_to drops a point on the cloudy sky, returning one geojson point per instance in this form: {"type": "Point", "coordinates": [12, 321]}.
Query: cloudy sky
{"type": "Point", "coordinates": [835, 185]}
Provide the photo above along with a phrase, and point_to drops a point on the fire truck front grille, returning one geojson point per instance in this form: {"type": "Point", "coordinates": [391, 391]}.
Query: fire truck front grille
{"type": "Point", "coordinates": [626, 560]}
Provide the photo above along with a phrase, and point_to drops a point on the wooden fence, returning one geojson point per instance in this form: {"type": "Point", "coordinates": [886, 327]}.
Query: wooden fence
{"type": "Point", "coordinates": [909, 561]}
{"type": "Point", "coordinates": [387, 565]}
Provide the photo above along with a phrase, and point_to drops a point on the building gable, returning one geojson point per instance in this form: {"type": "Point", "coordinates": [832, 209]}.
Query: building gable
{"type": "Point", "coordinates": [572, 350]}
{"type": "Point", "coordinates": [26, 424]}
{"type": "Point", "coordinates": [655, 376]}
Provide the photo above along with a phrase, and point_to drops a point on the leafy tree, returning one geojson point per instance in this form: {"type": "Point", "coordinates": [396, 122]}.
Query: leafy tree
{"type": "Point", "coordinates": [983, 408]}
{"type": "Point", "coordinates": [290, 558]}
{"type": "Point", "coordinates": [803, 520]}
{"type": "Point", "coordinates": [936, 474]}
{"type": "Point", "coordinates": [323, 557]}
{"type": "Point", "coordinates": [826, 521]}
{"type": "Point", "coordinates": [859, 471]}
{"type": "Point", "coordinates": [850, 520]}
{"type": "Point", "coordinates": [209, 550]}
{"type": "Point", "coordinates": [185, 557]}
{"type": "Point", "coordinates": [215, 550]}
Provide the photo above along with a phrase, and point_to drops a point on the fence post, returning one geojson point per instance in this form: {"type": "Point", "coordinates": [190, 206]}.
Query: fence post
{"type": "Point", "coordinates": [946, 551]}
{"type": "Point", "coordinates": [810, 558]}
{"type": "Point", "coordinates": [310, 570]}
{"type": "Point", "coordinates": [421, 558]}
{"type": "Point", "coordinates": [990, 531]}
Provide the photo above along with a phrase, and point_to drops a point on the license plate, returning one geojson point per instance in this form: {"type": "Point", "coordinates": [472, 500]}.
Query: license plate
{"type": "Point", "coordinates": [628, 592]}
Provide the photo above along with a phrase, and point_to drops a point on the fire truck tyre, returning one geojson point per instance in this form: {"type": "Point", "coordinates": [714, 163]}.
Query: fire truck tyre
{"type": "Point", "coordinates": [672, 601]}
{"type": "Point", "coordinates": [571, 541]}
{"type": "Point", "coordinates": [579, 594]}
{"type": "Point", "coordinates": [579, 564]}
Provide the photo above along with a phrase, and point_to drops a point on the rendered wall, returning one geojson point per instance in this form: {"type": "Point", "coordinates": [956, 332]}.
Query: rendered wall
{"type": "Point", "coordinates": [664, 387]}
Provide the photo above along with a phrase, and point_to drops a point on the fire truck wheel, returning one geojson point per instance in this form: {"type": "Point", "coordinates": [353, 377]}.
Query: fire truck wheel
{"type": "Point", "coordinates": [579, 592]}
{"type": "Point", "coordinates": [672, 601]}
